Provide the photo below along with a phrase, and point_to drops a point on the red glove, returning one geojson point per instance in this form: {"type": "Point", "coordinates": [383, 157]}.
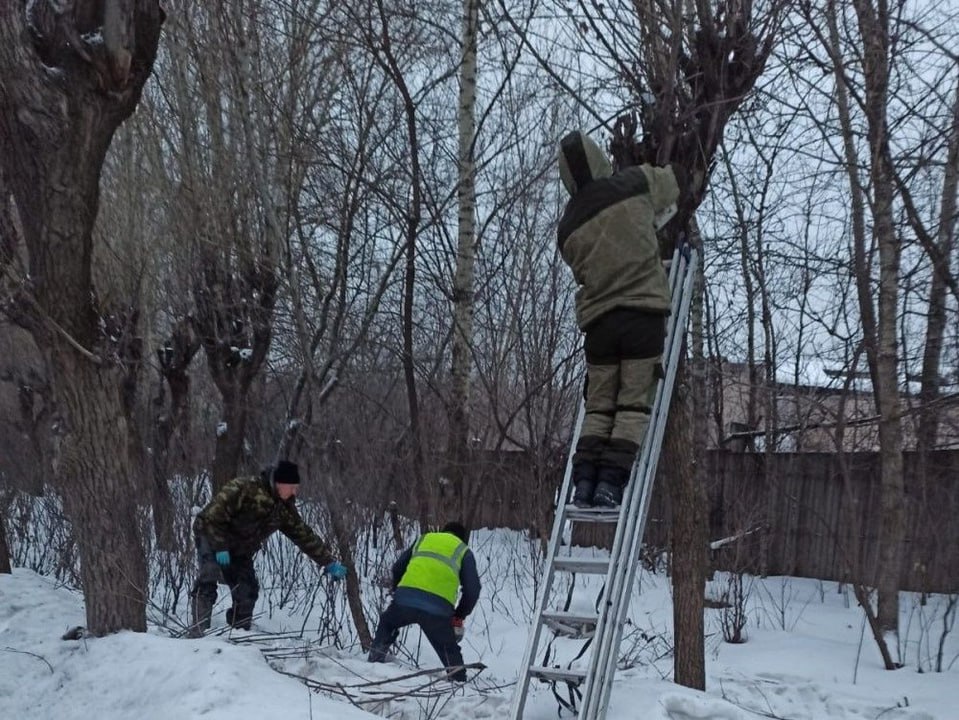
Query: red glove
{"type": "Point", "coordinates": [459, 628]}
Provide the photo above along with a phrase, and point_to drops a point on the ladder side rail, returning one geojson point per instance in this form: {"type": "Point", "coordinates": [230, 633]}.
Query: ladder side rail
{"type": "Point", "coordinates": [608, 600]}
{"type": "Point", "coordinates": [613, 595]}
{"type": "Point", "coordinates": [676, 342]}
{"type": "Point", "coordinates": [542, 599]}
{"type": "Point", "coordinates": [559, 522]}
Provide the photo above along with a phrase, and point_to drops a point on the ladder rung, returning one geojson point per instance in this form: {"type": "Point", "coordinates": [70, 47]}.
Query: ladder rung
{"type": "Point", "coordinates": [619, 566]}
{"type": "Point", "coordinates": [596, 566]}
{"type": "Point", "coordinates": [571, 625]}
{"type": "Point", "coordinates": [597, 515]}
{"type": "Point", "coordinates": [576, 677]}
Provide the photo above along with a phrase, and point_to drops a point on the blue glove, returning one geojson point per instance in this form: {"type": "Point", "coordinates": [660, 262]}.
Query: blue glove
{"type": "Point", "coordinates": [336, 570]}
{"type": "Point", "coordinates": [223, 558]}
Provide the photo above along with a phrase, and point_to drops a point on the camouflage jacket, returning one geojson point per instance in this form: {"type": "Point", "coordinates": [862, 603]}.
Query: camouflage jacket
{"type": "Point", "coordinates": [607, 234]}
{"type": "Point", "coordinates": [247, 511]}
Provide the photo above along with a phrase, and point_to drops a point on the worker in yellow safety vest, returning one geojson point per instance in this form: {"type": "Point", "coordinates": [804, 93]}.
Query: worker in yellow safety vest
{"type": "Point", "coordinates": [427, 578]}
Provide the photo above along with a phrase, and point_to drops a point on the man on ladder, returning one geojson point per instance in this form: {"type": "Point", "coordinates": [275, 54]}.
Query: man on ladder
{"type": "Point", "coordinates": [634, 316]}
{"type": "Point", "coordinates": [607, 235]}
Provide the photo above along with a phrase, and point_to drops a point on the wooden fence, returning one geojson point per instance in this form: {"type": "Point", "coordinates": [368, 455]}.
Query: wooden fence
{"type": "Point", "coordinates": [818, 513]}
{"type": "Point", "coordinates": [820, 516]}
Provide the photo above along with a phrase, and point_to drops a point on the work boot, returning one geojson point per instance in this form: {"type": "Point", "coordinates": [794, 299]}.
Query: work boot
{"type": "Point", "coordinates": [584, 479]}
{"type": "Point", "coordinates": [202, 611]}
{"type": "Point", "coordinates": [609, 489]}
{"type": "Point", "coordinates": [457, 676]}
{"type": "Point", "coordinates": [239, 619]}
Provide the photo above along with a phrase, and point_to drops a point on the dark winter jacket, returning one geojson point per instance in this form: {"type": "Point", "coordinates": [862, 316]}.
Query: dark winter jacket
{"type": "Point", "coordinates": [606, 234]}
{"type": "Point", "coordinates": [434, 604]}
{"type": "Point", "coordinates": [247, 511]}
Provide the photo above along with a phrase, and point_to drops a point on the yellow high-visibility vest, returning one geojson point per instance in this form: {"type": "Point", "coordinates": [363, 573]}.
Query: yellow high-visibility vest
{"type": "Point", "coordinates": [435, 565]}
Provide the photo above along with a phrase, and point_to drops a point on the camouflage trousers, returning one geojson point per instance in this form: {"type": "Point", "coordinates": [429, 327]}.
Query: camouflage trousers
{"type": "Point", "coordinates": [624, 351]}
{"type": "Point", "coordinates": [239, 575]}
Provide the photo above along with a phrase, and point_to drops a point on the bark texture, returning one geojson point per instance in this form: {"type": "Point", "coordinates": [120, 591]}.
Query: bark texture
{"type": "Point", "coordinates": [70, 74]}
{"type": "Point", "coordinates": [463, 279]}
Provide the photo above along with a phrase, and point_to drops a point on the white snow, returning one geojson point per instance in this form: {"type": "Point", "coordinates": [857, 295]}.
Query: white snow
{"type": "Point", "coordinates": [221, 428]}
{"type": "Point", "coordinates": [808, 657]}
{"type": "Point", "coordinates": [132, 675]}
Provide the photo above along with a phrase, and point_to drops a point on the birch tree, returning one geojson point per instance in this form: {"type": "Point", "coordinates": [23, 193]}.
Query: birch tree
{"type": "Point", "coordinates": [462, 362]}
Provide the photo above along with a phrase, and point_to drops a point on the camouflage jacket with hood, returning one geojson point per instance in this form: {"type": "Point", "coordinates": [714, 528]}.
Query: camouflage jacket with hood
{"type": "Point", "coordinates": [247, 511]}
{"type": "Point", "coordinates": [606, 234]}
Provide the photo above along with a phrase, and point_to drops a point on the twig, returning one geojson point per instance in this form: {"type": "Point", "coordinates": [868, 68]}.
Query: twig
{"type": "Point", "coordinates": [38, 657]}
{"type": "Point", "coordinates": [418, 673]}
{"type": "Point", "coordinates": [862, 634]}
{"type": "Point", "coordinates": [897, 706]}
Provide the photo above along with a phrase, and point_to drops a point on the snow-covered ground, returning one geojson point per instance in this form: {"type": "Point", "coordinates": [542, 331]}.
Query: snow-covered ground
{"type": "Point", "coordinates": [806, 658]}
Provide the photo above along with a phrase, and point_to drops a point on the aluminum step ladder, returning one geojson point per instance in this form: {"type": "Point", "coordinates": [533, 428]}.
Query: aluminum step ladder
{"type": "Point", "coordinates": [606, 627]}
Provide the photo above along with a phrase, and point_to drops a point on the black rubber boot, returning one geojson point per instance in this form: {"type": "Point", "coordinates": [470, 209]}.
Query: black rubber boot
{"type": "Point", "coordinates": [240, 619]}
{"type": "Point", "coordinates": [584, 479]}
{"type": "Point", "coordinates": [609, 488]}
{"type": "Point", "coordinates": [202, 612]}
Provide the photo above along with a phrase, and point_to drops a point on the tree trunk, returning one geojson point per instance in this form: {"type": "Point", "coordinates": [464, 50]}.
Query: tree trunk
{"type": "Point", "coordinates": [409, 376]}
{"type": "Point", "coordinates": [4, 548]}
{"type": "Point", "coordinates": [172, 423]}
{"type": "Point", "coordinates": [685, 443]}
{"type": "Point", "coordinates": [873, 25]}
{"type": "Point", "coordinates": [229, 439]}
{"type": "Point", "coordinates": [53, 140]}
{"type": "Point", "coordinates": [879, 330]}
{"type": "Point", "coordinates": [100, 498]}
{"type": "Point", "coordinates": [353, 598]}
{"type": "Point", "coordinates": [688, 529]}
{"type": "Point", "coordinates": [414, 216]}
{"type": "Point", "coordinates": [927, 437]}
{"type": "Point", "coordinates": [465, 261]}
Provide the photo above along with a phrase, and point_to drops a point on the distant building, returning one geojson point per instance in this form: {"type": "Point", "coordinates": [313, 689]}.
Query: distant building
{"type": "Point", "coordinates": [746, 412]}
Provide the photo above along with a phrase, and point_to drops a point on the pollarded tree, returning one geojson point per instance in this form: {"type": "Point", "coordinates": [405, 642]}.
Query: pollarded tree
{"type": "Point", "coordinates": [70, 74]}
{"type": "Point", "coordinates": [688, 67]}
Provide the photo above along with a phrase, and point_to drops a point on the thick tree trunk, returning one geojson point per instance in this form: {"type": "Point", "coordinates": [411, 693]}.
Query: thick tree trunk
{"type": "Point", "coordinates": [61, 100]}
{"type": "Point", "coordinates": [929, 392]}
{"type": "Point", "coordinates": [688, 528]}
{"type": "Point", "coordinates": [685, 443]}
{"type": "Point", "coordinates": [229, 440]}
{"type": "Point", "coordinates": [99, 494]}
{"type": "Point", "coordinates": [172, 423]}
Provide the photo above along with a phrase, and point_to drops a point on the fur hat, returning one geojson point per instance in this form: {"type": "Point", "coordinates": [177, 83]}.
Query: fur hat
{"type": "Point", "coordinates": [286, 473]}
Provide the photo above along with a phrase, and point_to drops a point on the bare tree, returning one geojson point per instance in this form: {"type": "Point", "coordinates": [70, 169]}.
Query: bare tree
{"type": "Point", "coordinates": [873, 201]}
{"type": "Point", "coordinates": [694, 73]}
{"type": "Point", "coordinates": [71, 74]}
{"type": "Point", "coordinates": [459, 441]}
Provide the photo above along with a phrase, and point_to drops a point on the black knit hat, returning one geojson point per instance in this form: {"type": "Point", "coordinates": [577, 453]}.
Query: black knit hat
{"type": "Point", "coordinates": [286, 473]}
{"type": "Point", "coordinates": [457, 529]}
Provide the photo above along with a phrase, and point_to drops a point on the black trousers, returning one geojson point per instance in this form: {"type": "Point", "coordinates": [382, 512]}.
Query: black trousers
{"type": "Point", "coordinates": [437, 628]}
{"type": "Point", "coordinates": [239, 575]}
